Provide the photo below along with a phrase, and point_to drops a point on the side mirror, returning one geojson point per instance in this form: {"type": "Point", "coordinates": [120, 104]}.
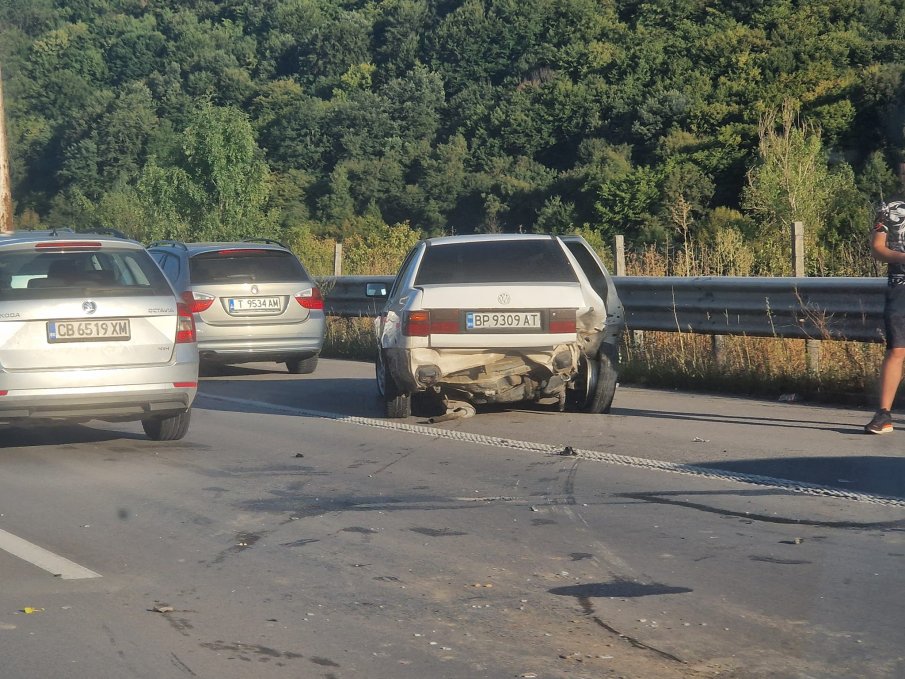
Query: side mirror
{"type": "Point", "coordinates": [375, 290]}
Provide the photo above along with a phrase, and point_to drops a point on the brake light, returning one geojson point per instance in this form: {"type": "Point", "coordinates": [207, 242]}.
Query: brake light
{"type": "Point", "coordinates": [68, 245]}
{"type": "Point", "coordinates": [416, 323]}
{"type": "Point", "coordinates": [242, 251]}
{"type": "Point", "coordinates": [562, 321]}
{"type": "Point", "coordinates": [310, 298]}
{"type": "Point", "coordinates": [3, 392]}
{"type": "Point", "coordinates": [185, 324]}
{"type": "Point", "coordinates": [185, 385]}
{"type": "Point", "coordinates": [197, 301]}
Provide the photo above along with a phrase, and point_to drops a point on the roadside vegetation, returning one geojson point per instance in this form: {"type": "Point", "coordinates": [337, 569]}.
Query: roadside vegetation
{"type": "Point", "coordinates": [698, 130]}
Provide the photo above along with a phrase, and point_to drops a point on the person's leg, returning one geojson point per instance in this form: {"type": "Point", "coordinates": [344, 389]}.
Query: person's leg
{"type": "Point", "coordinates": [890, 376]}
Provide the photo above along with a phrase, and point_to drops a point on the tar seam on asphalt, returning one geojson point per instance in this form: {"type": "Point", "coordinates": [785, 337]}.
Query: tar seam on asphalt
{"type": "Point", "coordinates": [801, 487]}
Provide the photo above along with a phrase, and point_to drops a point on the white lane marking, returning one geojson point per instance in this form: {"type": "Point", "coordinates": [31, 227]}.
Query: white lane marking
{"type": "Point", "coordinates": [801, 487]}
{"type": "Point", "coordinates": [40, 557]}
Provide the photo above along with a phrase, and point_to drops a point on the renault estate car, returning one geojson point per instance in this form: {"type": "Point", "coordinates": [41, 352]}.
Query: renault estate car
{"type": "Point", "coordinates": [90, 329]}
{"type": "Point", "coordinates": [252, 301]}
{"type": "Point", "coordinates": [500, 319]}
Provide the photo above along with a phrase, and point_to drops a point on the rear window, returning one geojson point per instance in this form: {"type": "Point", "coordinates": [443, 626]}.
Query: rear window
{"type": "Point", "coordinates": [509, 261]}
{"type": "Point", "coordinates": [259, 266]}
{"type": "Point", "coordinates": [106, 272]}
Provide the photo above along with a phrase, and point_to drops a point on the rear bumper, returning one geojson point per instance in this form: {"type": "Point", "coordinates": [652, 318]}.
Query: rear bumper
{"type": "Point", "coordinates": [246, 351]}
{"type": "Point", "coordinates": [483, 371]}
{"type": "Point", "coordinates": [113, 403]}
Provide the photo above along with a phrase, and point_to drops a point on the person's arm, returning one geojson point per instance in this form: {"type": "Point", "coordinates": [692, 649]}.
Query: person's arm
{"type": "Point", "coordinates": [882, 253]}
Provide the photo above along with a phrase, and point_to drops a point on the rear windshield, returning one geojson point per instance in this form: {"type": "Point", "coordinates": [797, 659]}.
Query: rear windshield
{"type": "Point", "coordinates": [260, 266]}
{"type": "Point", "coordinates": [508, 261]}
{"type": "Point", "coordinates": [106, 272]}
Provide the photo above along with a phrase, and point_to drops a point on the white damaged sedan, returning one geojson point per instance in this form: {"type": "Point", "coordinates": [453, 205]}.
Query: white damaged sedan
{"type": "Point", "coordinates": [500, 319]}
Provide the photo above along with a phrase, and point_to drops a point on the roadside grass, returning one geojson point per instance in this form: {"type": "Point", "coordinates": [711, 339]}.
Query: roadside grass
{"type": "Point", "coordinates": [350, 338]}
{"type": "Point", "coordinates": [763, 366]}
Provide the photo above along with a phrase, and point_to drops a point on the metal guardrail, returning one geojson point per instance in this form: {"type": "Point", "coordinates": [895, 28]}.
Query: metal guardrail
{"type": "Point", "coordinates": [808, 308]}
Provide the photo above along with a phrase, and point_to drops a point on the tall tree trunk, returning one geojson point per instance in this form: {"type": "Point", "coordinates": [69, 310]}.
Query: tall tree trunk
{"type": "Point", "coordinates": [6, 197]}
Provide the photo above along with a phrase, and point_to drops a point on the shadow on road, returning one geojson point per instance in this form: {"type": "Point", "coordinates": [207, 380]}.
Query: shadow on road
{"type": "Point", "coordinates": [348, 396]}
{"type": "Point", "coordinates": [61, 435]}
{"type": "Point", "coordinates": [857, 474]}
{"type": "Point", "coordinates": [722, 418]}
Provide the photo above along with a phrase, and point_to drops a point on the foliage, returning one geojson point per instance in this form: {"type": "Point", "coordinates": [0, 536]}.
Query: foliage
{"type": "Point", "coordinates": [648, 119]}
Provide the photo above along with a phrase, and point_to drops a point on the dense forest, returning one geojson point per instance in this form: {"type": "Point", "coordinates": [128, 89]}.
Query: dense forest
{"type": "Point", "coordinates": [663, 120]}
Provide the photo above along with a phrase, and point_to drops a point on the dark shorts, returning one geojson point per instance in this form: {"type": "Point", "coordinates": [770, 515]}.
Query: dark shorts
{"type": "Point", "coordinates": [894, 316]}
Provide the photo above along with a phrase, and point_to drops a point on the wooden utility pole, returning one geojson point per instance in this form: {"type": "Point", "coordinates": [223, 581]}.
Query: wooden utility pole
{"type": "Point", "coordinates": [6, 196]}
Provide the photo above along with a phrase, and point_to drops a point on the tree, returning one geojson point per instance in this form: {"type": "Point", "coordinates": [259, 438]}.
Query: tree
{"type": "Point", "coordinates": [220, 189]}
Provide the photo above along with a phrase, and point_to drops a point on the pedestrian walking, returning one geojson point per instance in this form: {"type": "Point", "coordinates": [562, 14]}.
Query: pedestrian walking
{"type": "Point", "coordinates": [887, 245]}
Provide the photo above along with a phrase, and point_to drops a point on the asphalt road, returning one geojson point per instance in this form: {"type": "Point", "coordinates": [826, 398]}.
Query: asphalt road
{"type": "Point", "coordinates": [297, 533]}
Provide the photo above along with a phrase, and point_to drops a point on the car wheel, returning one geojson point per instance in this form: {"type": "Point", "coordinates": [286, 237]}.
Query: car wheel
{"type": "Point", "coordinates": [304, 366]}
{"type": "Point", "coordinates": [595, 385]}
{"type": "Point", "coordinates": [170, 428]}
{"type": "Point", "coordinates": [396, 403]}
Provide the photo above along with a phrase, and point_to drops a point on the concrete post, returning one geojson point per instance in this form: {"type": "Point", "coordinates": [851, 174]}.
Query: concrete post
{"type": "Point", "coordinates": [338, 259]}
{"type": "Point", "coordinates": [619, 255]}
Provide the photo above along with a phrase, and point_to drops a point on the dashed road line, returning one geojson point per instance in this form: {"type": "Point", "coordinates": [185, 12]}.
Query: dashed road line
{"type": "Point", "coordinates": [38, 556]}
{"type": "Point", "coordinates": [790, 485]}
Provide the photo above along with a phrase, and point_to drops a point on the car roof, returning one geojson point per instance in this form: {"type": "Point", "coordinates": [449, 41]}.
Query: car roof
{"type": "Point", "coordinates": [65, 236]}
{"type": "Point", "coordinates": [487, 237]}
{"type": "Point", "coordinates": [195, 248]}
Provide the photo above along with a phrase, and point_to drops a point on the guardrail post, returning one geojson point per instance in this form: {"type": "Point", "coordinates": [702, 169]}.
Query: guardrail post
{"type": "Point", "coordinates": [811, 347]}
{"type": "Point", "coordinates": [338, 259]}
{"type": "Point", "coordinates": [619, 263]}
{"type": "Point", "coordinates": [718, 349]}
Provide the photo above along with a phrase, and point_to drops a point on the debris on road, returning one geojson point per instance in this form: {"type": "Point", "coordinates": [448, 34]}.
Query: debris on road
{"type": "Point", "coordinates": [163, 608]}
{"type": "Point", "coordinates": [568, 450]}
{"type": "Point", "coordinates": [28, 610]}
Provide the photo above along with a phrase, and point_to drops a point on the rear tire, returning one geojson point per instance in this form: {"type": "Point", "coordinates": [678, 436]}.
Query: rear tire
{"type": "Point", "coordinates": [601, 399]}
{"type": "Point", "coordinates": [595, 386]}
{"type": "Point", "coordinates": [396, 403]}
{"type": "Point", "coordinates": [170, 428]}
{"type": "Point", "coordinates": [304, 366]}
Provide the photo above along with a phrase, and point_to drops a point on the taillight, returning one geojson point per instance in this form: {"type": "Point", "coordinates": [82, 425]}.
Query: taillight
{"type": "Point", "coordinates": [185, 385]}
{"type": "Point", "coordinates": [310, 298]}
{"type": "Point", "coordinates": [416, 323]}
{"type": "Point", "coordinates": [185, 324]}
{"type": "Point", "coordinates": [197, 301]}
{"type": "Point", "coordinates": [562, 321]}
{"type": "Point", "coordinates": [3, 392]}
{"type": "Point", "coordinates": [433, 322]}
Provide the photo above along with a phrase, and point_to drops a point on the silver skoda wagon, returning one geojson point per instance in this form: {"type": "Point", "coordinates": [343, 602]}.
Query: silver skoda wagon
{"type": "Point", "coordinates": [91, 329]}
{"type": "Point", "coordinates": [252, 301]}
